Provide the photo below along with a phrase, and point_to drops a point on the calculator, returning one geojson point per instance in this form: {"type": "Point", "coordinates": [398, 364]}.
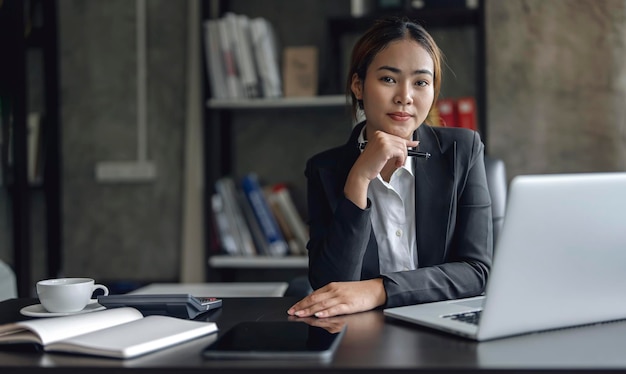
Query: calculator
{"type": "Point", "coordinates": [176, 305]}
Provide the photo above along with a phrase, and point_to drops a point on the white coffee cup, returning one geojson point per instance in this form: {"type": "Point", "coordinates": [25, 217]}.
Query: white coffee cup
{"type": "Point", "coordinates": [67, 295]}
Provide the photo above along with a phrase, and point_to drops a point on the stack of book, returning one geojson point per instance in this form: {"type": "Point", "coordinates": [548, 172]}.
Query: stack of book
{"type": "Point", "coordinates": [242, 59]}
{"type": "Point", "coordinates": [458, 112]}
{"type": "Point", "coordinates": [251, 219]}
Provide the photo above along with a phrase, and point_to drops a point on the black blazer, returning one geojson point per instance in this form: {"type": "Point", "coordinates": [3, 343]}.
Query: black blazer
{"type": "Point", "coordinates": [453, 220]}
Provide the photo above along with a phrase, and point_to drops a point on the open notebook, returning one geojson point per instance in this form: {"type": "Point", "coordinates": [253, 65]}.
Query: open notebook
{"type": "Point", "coordinates": [560, 261]}
{"type": "Point", "coordinates": [118, 332]}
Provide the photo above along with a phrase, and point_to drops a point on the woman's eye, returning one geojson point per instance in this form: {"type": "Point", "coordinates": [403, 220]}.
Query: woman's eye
{"type": "Point", "coordinates": [387, 79]}
{"type": "Point", "coordinates": [421, 83]}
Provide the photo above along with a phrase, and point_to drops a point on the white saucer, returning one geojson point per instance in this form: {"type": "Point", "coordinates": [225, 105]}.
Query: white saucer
{"type": "Point", "coordinates": [37, 310]}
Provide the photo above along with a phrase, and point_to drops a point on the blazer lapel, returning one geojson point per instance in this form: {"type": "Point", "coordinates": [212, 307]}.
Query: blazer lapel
{"type": "Point", "coordinates": [434, 197]}
{"type": "Point", "coordinates": [333, 180]}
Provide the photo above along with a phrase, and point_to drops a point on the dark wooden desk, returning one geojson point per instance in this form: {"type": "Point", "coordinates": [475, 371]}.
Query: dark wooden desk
{"type": "Point", "coordinates": [372, 344]}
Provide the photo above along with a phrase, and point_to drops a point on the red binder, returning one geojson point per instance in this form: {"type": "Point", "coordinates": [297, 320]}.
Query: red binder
{"type": "Point", "coordinates": [447, 112]}
{"type": "Point", "coordinates": [466, 108]}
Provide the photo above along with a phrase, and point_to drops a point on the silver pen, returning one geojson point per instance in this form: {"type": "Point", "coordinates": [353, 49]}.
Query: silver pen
{"type": "Point", "coordinates": [410, 152]}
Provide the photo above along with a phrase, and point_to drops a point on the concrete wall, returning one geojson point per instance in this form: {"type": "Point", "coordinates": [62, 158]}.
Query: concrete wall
{"type": "Point", "coordinates": [557, 85]}
{"type": "Point", "coordinates": [121, 231]}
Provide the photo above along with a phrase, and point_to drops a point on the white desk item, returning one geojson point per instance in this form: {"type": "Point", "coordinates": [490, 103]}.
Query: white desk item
{"type": "Point", "coordinates": [37, 310]}
{"type": "Point", "coordinates": [222, 289]}
{"type": "Point", "coordinates": [116, 333]}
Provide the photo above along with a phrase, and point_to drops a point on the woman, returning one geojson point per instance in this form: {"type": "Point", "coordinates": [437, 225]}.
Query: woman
{"type": "Point", "coordinates": [387, 229]}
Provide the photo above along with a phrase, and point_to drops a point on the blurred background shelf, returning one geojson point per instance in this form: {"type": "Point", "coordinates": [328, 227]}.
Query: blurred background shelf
{"type": "Point", "coordinates": [225, 268]}
{"type": "Point", "coordinates": [226, 261]}
{"type": "Point", "coordinates": [282, 102]}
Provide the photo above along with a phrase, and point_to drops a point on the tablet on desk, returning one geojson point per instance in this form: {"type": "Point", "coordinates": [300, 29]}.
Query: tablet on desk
{"type": "Point", "coordinates": [275, 340]}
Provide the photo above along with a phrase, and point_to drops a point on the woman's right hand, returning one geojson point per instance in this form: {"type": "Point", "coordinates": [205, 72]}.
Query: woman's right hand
{"type": "Point", "coordinates": [380, 150]}
{"type": "Point", "coordinates": [375, 159]}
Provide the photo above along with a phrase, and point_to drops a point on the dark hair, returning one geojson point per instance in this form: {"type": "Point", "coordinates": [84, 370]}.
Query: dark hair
{"type": "Point", "coordinates": [377, 37]}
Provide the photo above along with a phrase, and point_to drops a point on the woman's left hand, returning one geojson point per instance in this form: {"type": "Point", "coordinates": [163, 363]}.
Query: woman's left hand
{"type": "Point", "coordinates": [338, 298]}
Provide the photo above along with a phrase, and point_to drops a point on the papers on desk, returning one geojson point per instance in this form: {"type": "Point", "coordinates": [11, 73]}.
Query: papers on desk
{"type": "Point", "coordinates": [116, 333]}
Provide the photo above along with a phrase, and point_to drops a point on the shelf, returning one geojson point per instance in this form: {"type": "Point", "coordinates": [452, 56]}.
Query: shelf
{"type": "Point", "coordinates": [429, 18]}
{"type": "Point", "coordinates": [259, 262]}
{"type": "Point", "coordinates": [282, 102]}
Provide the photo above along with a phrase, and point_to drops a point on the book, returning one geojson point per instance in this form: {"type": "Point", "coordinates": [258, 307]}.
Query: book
{"type": "Point", "coordinates": [116, 333]}
{"type": "Point", "coordinates": [225, 186]}
{"type": "Point", "coordinates": [265, 50]}
{"type": "Point", "coordinates": [213, 59]}
{"type": "Point", "coordinates": [466, 108]}
{"type": "Point", "coordinates": [281, 195]}
{"type": "Point", "coordinates": [276, 243]}
{"type": "Point", "coordinates": [281, 219]}
{"type": "Point", "coordinates": [239, 26]}
{"type": "Point", "coordinates": [260, 243]}
{"type": "Point", "coordinates": [223, 227]}
{"type": "Point", "coordinates": [227, 45]}
{"type": "Point", "coordinates": [447, 112]}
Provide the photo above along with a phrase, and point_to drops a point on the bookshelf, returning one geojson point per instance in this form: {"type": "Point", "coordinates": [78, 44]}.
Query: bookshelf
{"type": "Point", "coordinates": [29, 38]}
{"type": "Point", "coordinates": [223, 117]}
{"type": "Point", "coordinates": [283, 102]}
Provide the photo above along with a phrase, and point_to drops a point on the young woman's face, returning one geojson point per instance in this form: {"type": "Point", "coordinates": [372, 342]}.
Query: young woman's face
{"type": "Point", "coordinates": [398, 89]}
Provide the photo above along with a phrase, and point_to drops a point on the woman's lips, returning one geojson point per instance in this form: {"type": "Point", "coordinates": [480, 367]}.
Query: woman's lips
{"type": "Point", "coordinates": [399, 116]}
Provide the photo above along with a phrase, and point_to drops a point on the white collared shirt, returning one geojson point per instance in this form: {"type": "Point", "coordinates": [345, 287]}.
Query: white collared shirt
{"type": "Point", "coordinates": [393, 218]}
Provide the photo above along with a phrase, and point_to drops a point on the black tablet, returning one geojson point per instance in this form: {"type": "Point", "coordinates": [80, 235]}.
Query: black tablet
{"type": "Point", "coordinates": [276, 340]}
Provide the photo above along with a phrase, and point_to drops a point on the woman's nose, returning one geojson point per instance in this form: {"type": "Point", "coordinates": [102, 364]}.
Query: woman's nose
{"type": "Point", "coordinates": [404, 96]}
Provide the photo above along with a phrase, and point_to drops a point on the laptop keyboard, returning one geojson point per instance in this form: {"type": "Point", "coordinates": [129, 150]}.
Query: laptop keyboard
{"type": "Point", "coordinates": [467, 317]}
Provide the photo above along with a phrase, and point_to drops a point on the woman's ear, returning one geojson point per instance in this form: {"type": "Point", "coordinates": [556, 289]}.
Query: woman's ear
{"type": "Point", "coordinates": [357, 86]}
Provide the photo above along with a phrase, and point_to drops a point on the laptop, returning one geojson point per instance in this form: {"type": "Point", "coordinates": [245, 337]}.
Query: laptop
{"type": "Point", "coordinates": [560, 261]}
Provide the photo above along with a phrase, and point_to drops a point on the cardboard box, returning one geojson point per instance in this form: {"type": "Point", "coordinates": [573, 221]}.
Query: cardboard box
{"type": "Point", "coordinates": [300, 71]}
